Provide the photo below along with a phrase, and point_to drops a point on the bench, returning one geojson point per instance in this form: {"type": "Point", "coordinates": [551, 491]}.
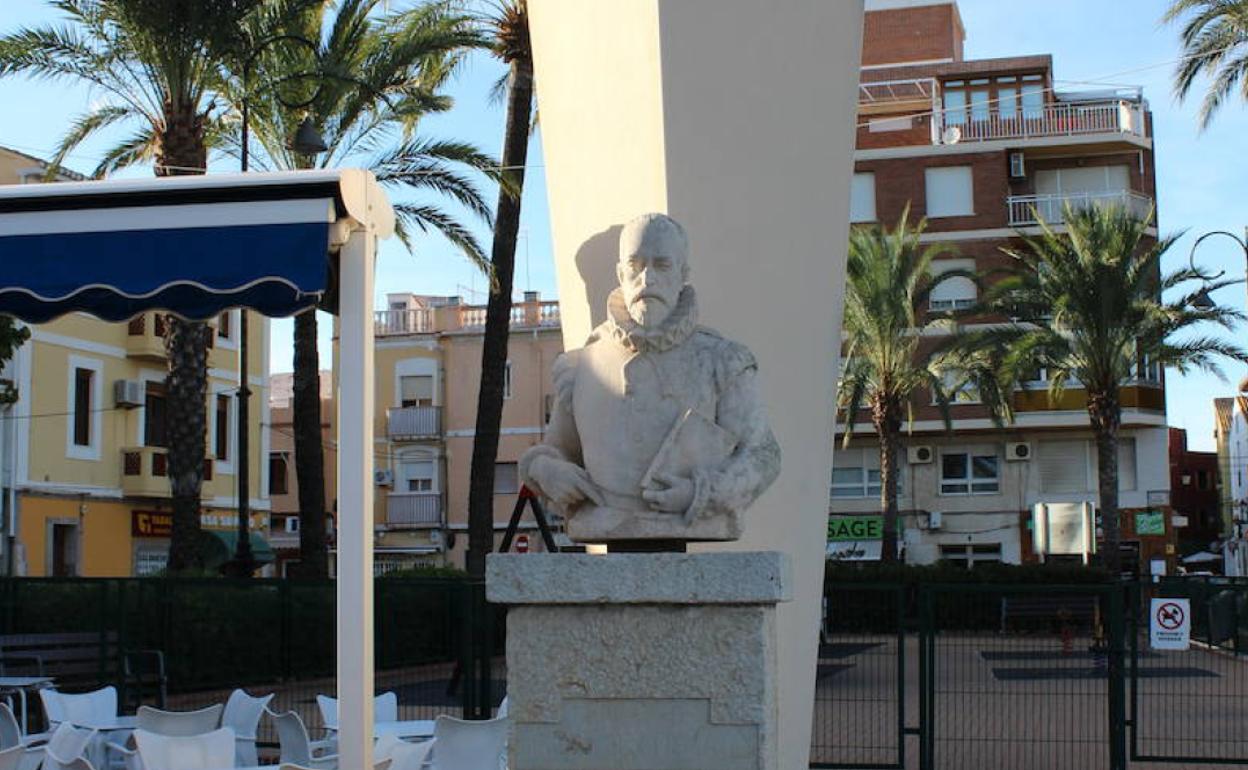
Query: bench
{"type": "Point", "coordinates": [1050, 612]}
{"type": "Point", "coordinates": [85, 661]}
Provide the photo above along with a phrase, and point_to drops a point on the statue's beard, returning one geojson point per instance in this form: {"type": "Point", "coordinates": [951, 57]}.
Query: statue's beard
{"type": "Point", "coordinates": [649, 311]}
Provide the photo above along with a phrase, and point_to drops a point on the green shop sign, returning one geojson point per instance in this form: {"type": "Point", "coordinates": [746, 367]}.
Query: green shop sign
{"type": "Point", "coordinates": [1150, 523]}
{"type": "Point", "coordinates": [843, 529]}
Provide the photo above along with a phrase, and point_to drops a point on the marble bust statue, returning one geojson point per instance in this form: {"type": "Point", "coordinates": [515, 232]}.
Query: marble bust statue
{"type": "Point", "coordinates": [658, 435]}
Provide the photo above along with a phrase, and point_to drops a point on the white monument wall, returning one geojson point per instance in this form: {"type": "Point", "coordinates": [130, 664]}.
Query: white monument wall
{"type": "Point", "coordinates": [737, 118]}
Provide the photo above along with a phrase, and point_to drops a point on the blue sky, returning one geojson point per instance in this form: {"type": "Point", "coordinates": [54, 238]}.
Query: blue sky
{"type": "Point", "coordinates": [1202, 184]}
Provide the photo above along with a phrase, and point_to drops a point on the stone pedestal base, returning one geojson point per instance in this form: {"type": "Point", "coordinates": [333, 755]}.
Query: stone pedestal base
{"type": "Point", "coordinates": [641, 661]}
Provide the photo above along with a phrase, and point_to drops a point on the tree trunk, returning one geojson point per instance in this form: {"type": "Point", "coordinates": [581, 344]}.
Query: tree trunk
{"type": "Point", "coordinates": [182, 151]}
{"type": "Point", "coordinates": [309, 451]}
{"type": "Point", "coordinates": [886, 416]}
{"type": "Point", "coordinates": [498, 319]}
{"type": "Point", "coordinates": [1106, 415]}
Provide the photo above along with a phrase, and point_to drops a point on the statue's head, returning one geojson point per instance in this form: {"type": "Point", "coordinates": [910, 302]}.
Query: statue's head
{"type": "Point", "coordinates": [653, 267]}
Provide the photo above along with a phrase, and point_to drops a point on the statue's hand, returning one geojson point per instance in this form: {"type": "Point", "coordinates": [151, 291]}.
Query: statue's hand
{"type": "Point", "coordinates": [671, 494]}
{"type": "Point", "coordinates": [564, 482]}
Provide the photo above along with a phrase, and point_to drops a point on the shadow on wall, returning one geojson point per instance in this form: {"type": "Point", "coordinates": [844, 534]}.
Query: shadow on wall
{"type": "Point", "coordinates": [595, 261]}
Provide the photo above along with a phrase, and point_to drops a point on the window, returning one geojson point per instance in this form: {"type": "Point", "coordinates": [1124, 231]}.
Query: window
{"type": "Point", "coordinates": [507, 380]}
{"type": "Point", "coordinates": [979, 104]}
{"type": "Point", "coordinates": [856, 473]}
{"type": "Point", "coordinates": [224, 327]}
{"type": "Point", "coordinates": [954, 293]}
{"type": "Point", "coordinates": [416, 390]}
{"type": "Point", "coordinates": [862, 198]}
{"type": "Point", "coordinates": [958, 388]}
{"type": "Point", "coordinates": [222, 427]}
{"type": "Point", "coordinates": [82, 406]}
{"type": "Point", "coordinates": [1126, 464]}
{"type": "Point", "coordinates": [955, 104]}
{"type": "Point", "coordinates": [418, 475]}
{"type": "Point", "coordinates": [292, 524]}
{"type": "Point", "coordinates": [1064, 466]}
{"type": "Point", "coordinates": [1083, 180]}
{"type": "Point", "coordinates": [1007, 102]}
{"type": "Point", "coordinates": [278, 478]}
{"type": "Point", "coordinates": [965, 473]}
{"type": "Point", "coordinates": [971, 554]}
{"type": "Point", "coordinates": [506, 478]}
{"type": "Point", "coordinates": [950, 191]}
{"type": "Point", "coordinates": [1146, 369]}
{"type": "Point", "coordinates": [150, 561]}
{"type": "Point", "coordinates": [155, 426]}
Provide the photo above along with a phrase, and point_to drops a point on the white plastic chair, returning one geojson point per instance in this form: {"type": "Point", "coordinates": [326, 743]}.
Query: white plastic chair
{"type": "Point", "coordinates": [67, 748]}
{"type": "Point", "coordinates": [296, 747]}
{"type": "Point", "coordinates": [385, 709]}
{"type": "Point", "coordinates": [242, 715]}
{"type": "Point", "coordinates": [503, 707]}
{"type": "Point", "coordinates": [179, 724]}
{"type": "Point", "coordinates": [95, 707]}
{"type": "Point", "coordinates": [469, 745]}
{"type": "Point", "coordinates": [401, 754]}
{"type": "Point", "coordinates": [21, 757]}
{"type": "Point", "coordinates": [209, 751]}
{"type": "Point", "coordinates": [11, 732]}
{"type": "Point", "coordinates": [382, 765]}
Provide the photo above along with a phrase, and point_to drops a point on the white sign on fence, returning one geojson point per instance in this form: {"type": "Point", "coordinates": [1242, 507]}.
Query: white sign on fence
{"type": "Point", "coordinates": [1170, 624]}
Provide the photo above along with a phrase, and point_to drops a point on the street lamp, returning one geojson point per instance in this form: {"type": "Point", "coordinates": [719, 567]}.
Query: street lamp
{"type": "Point", "coordinates": [1203, 300]}
{"type": "Point", "coordinates": [307, 141]}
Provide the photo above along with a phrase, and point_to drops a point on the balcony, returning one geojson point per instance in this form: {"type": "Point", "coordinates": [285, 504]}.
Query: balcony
{"type": "Point", "coordinates": [406, 510]}
{"type": "Point", "coordinates": [890, 96]}
{"type": "Point", "coordinates": [413, 423]}
{"type": "Point", "coordinates": [145, 336]}
{"type": "Point", "coordinates": [449, 318]}
{"type": "Point", "coordinates": [145, 472]}
{"type": "Point", "coordinates": [1029, 209]}
{"type": "Point", "coordinates": [1117, 116]}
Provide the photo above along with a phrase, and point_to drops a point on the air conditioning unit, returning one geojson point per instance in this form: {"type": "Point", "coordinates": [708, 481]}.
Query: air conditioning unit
{"type": "Point", "coordinates": [435, 537]}
{"type": "Point", "coordinates": [383, 478]}
{"type": "Point", "coordinates": [1018, 450]}
{"type": "Point", "coordinates": [934, 520]}
{"type": "Point", "coordinates": [129, 394]}
{"type": "Point", "coordinates": [918, 455]}
{"type": "Point", "coordinates": [1018, 166]}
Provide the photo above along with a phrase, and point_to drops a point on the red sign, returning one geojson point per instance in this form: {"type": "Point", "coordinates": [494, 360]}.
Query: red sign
{"type": "Point", "coordinates": [151, 524]}
{"type": "Point", "coordinates": [1170, 616]}
{"type": "Point", "coordinates": [522, 544]}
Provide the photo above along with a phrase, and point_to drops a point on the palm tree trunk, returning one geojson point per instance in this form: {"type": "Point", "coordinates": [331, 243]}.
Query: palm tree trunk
{"type": "Point", "coordinates": [309, 451]}
{"type": "Point", "coordinates": [886, 415]}
{"type": "Point", "coordinates": [182, 151]}
{"type": "Point", "coordinates": [498, 318]}
{"type": "Point", "coordinates": [1106, 415]}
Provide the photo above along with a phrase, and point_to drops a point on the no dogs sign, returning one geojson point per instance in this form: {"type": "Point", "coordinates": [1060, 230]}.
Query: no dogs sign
{"type": "Point", "coordinates": [1170, 624]}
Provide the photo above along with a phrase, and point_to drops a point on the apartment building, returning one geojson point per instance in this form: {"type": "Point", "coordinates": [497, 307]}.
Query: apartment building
{"type": "Point", "coordinates": [428, 364]}
{"type": "Point", "coordinates": [82, 451]}
{"type": "Point", "coordinates": [1231, 435]}
{"type": "Point", "coordinates": [283, 481]}
{"type": "Point", "coordinates": [1195, 494]}
{"type": "Point", "coordinates": [980, 148]}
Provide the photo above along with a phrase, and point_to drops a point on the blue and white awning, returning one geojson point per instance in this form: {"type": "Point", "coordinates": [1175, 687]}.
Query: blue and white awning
{"type": "Point", "coordinates": [192, 245]}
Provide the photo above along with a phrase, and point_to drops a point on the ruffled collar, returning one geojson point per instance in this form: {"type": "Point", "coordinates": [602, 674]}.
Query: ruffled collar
{"type": "Point", "coordinates": [675, 329]}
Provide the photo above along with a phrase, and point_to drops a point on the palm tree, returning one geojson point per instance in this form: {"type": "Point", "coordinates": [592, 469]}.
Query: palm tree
{"type": "Point", "coordinates": [1087, 306]}
{"type": "Point", "coordinates": [364, 86]}
{"type": "Point", "coordinates": [1215, 45]}
{"type": "Point", "coordinates": [157, 62]}
{"type": "Point", "coordinates": [888, 281]}
{"type": "Point", "coordinates": [510, 25]}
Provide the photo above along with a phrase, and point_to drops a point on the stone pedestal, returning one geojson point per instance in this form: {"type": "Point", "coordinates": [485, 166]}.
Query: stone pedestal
{"type": "Point", "coordinates": [658, 661]}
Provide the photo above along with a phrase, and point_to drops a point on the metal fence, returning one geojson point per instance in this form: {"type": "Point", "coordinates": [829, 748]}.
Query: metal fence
{"type": "Point", "coordinates": [437, 643]}
{"type": "Point", "coordinates": [936, 676]}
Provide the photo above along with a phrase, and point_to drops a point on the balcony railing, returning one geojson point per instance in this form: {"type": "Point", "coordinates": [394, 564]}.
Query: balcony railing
{"type": "Point", "coordinates": [414, 509]}
{"type": "Point", "coordinates": [460, 317]}
{"type": "Point", "coordinates": [1059, 119]}
{"type": "Point", "coordinates": [145, 336]}
{"type": "Point", "coordinates": [411, 423]}
{"type": "Point", "coordinates": [1024, 209]}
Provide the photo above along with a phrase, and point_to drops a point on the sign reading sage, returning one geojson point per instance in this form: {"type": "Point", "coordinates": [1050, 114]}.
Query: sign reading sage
{"type": "Point", "coordinates": [844, 529]}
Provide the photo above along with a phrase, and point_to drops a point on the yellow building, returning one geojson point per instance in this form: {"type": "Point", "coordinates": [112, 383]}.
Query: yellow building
{"type": "Point", "coordinates": [82, 453]}
{"type": "Point", "coordinates": [428, 370]}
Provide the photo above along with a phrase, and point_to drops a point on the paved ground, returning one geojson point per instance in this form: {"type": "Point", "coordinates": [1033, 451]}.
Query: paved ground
{"type": "Point", "coordinates": [1024, 701]}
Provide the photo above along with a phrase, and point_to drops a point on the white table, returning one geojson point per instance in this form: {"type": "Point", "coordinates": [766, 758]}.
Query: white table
{"type": "Point", "coordinates": [409, 728]}
{"type": "Point", "coordinates": [109, 725]}
{"type": "Point", "coordinates": [20, 684]}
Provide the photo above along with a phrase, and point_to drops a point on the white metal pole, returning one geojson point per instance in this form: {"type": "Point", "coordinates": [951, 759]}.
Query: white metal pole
{"type": "Point", "coordinates": [355, 504]}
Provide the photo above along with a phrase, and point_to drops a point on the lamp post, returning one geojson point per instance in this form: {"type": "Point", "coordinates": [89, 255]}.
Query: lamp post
{"type": "Point", "coordinates": [1204, 301]}
{"type": "Point", "coordinates": [307, 141]}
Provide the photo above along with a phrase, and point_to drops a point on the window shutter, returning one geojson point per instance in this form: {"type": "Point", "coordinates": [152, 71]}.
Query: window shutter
{"type": "Point", "coordinates": [950, 192]}
{"type": "Point", "coordinates": [417, 388]}
{"type": "Point", "coordinates": [862, 198]}
{"type": "Point", "coordinates": [1063, 466]}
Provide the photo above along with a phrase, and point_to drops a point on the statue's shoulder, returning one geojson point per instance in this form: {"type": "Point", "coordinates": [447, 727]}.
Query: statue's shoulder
{"type": "Point", "coordinates": [731, 358]}
{"type": "Point", "coordinates": [563, 371]}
